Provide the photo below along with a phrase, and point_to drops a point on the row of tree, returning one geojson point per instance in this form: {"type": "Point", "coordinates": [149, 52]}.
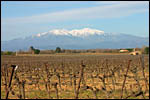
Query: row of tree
{"type": "Point", "coordinates": [32, 50]}
{"type": "Point", "coordinates": [7, 53]}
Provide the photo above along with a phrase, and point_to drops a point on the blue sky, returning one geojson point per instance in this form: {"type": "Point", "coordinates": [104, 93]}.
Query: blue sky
{"type": "Point", "coordinates": [25, 18]}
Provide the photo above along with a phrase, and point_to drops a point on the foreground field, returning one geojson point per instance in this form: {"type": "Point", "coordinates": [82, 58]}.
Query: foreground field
{"type": "Point", "coordinates": [76, 76]}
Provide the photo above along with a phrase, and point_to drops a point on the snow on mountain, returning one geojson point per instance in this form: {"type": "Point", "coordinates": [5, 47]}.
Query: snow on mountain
{"type": "Point", "coordinates": [59, 32]}
{"type": "Point", "coordinates": [85, 32]}
{"type": "Point", "coordinates": [76, 32]}
{"type": "Point", "coordinates": [75, 39]}
{"type": "Point", "coordinates": [40, 34]}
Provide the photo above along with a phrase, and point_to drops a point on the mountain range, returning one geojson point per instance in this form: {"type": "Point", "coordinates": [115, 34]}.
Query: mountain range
{"type": "Point", "coordinates": [85, 38]}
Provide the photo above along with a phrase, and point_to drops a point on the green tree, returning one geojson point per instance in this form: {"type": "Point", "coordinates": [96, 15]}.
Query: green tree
{"type": "Point", "coordinates": [58, 50]}
{"type": "Point", "coordinates": [2, 52]}
{"type": "Point", "coordinates": [31, 48]}
{"type": "Point", "coordinates": [8, 53]}
{"type": "Point", "coordinates": [36, 51]}
{"type": "Point", "coordinates": [146, 50]}
{"type": "Point", "coordinates": [129, 49]}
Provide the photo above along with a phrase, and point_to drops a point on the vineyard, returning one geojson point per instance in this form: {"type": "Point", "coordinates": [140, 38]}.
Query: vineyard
{"type": "Point", "coordinates": [75, 77]}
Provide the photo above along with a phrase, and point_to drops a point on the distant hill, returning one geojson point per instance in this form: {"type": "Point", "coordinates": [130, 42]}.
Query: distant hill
{"type": "Point", "coordinates": [75, 39]}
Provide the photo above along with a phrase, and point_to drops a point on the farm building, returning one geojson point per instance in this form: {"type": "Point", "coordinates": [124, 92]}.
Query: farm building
{"type": "Point", "coordinates": [123, 51]}
{"type": "Point", "coordinates": [135, 52]}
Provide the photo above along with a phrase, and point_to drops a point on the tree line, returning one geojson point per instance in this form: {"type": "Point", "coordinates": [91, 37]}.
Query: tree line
{"type": "Point", "coordinates": [32, 50]}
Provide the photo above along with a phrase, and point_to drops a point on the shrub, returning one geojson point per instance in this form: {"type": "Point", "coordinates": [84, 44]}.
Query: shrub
{"type": "Point", "coordinates": [36, 51]}
{"type": "Point", "coordinates": [2, 53]}
{"type": "Point", "coordinates": [58, 50]}
{"type": "Point", "coordinates": [7, 53]}
{"type": "Point", "coordinates": [146, 50]}
{"type": "Point", "coordinates": [130, 49]}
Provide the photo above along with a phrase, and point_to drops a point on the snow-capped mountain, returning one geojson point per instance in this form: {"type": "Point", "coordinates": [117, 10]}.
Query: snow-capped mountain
{"type": "Point", "coordinates": [75, 39]}
{"type": "Point", "coordinates": [76, 33]}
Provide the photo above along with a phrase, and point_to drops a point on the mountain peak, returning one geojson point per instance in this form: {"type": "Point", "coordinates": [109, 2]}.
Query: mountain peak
{"type": "Point", "coordinates": [74, 32]}
{"type": "Point", "coordinates": [86, 32]}
{"type": "Point", "coordinates": [76, 39]}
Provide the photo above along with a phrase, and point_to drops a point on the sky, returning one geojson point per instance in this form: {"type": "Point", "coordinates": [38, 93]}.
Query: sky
{"type": "Point", "coordinates": [26, 18]}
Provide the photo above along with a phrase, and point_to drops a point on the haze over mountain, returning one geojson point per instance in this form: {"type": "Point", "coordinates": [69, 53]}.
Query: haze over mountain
{"type": "Point", "coordinates": [75, 39]}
